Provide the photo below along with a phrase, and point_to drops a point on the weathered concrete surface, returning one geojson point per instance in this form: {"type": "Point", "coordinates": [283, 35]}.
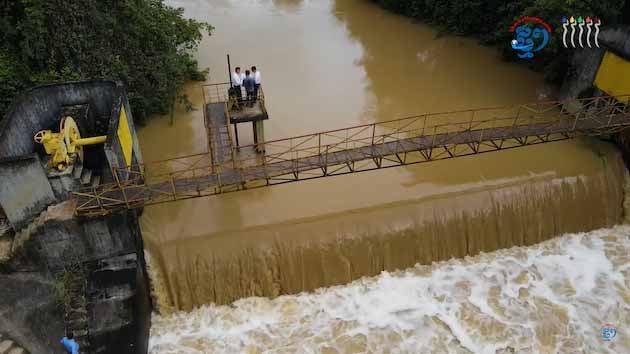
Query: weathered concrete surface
{"type": "Point", "coordinates": [581, 73]}
{"type": "Point", "coordinates": [584, 66]}
{"type": "Point", "coordinates": [48, 238]}
{"type": "Point", "coordinates": [96, 105]}
{"type": "Point", "coordinates": [119, 306]}
{"type": "Point", "coordinates": [119, 310]}
{"type": "Point", "coordinates": [24, 189]}
{"type": "Point", "coordinates": [30, 313]}
{"type": "Point", "coordinates": [39, 109]}
{"type": "Point", "coordinates": [56, 238]}
{"type": "Point", "coordinates": [617, 39]}
{"type": "Point", "coordinates": [585, 62]}
{"type": "Point", "coordinates": [10, 346]}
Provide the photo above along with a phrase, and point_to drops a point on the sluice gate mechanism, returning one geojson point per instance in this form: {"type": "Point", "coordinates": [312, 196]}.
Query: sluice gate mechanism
{"type": "Point", "coordinates": [65, 148]}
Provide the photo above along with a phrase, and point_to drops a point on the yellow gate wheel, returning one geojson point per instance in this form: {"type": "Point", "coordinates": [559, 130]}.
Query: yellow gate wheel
{"type": "Point", "coordinates": [70, 130]}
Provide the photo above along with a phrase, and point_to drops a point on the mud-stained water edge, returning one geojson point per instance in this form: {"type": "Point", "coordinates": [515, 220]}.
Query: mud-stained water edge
{"type": "Point", "coordinates": [335, 63]}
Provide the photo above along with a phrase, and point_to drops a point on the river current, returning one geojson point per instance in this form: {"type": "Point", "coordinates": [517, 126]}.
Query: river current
{"type": "Point", "coordinates": [228, 272]}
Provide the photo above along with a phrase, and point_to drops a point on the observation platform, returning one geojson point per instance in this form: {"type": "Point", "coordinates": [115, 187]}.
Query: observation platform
{"type": "Point", "coordinates": [222, 109]}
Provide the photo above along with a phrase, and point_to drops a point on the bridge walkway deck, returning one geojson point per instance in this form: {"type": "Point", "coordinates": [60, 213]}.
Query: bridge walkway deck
{"type": "Point", "coordinates": [310, 156]}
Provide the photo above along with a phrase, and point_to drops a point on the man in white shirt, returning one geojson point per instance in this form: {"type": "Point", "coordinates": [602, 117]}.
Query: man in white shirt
{"type": "Point", "coordinates": [256, 75]}
{"type": "Point", "coordinates": [237, 81]}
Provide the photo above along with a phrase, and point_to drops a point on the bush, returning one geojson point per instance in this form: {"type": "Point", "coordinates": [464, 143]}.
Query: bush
{"type": "Point", "coordinates": [143, 43]}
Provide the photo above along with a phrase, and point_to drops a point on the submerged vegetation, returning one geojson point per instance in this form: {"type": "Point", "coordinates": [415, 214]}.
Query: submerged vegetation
{"type": "Point", "coordinates": [490, 20]}
{"type": "Point", "coordinates": [143, 43]}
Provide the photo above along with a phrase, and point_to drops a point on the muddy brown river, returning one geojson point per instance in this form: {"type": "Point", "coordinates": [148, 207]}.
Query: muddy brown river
{"type": "Point", "coordinates": [331, 64]}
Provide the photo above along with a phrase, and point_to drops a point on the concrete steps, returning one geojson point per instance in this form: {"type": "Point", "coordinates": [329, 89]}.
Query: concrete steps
{"type": "Point", "coordinates": [86, 177]}
{"type": "Point", "coordinates": [4, 225]}
{"type": "Point", "coordinates": [96, 181]}
{"type": "Point", "coordinates": [23, 235]}
{"type": "Point", "coordinates": [75, 306]}
{"type": "Point", "coordinates": [8, 346]}
{"type": "Point", "coordinates": [77, 170]}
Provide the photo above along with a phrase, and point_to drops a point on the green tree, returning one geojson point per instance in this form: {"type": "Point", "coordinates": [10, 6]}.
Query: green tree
{"type": "Point", "coordinates": [143, 43]}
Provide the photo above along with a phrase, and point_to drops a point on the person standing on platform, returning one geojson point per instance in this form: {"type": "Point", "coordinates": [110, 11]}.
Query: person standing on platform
{"type": "Point", "coordinates": [237, 82]}
{"type": "Point", "coordinates": [250, 87]}
{"type": "Point", "coordinates": [256, 75]}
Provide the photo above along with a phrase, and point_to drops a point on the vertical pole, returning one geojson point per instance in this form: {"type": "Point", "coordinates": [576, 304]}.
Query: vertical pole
{"type": "Point", "coordinates": [173, 186]}
{"type": "Point", "coordinates": [373, 133]}
{"type": "Point", "coordinates": [236, 135]}
{"type": "Point", "coordinates": [326, 161]}
{"type": "Point", "coordinates": [319, 145]}
{"type": "Point", "coordinates": [254, 129]}
{"type": "Point", "coordinates": [229, 70]}
{"type": "Point", "coordinates": [261, 135]}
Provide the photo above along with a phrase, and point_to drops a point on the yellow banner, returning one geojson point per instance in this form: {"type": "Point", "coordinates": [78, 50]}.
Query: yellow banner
{"type": "Point", "coordinates": [613, 75]}
{"type": "Point", "coordinates": [124, 136]}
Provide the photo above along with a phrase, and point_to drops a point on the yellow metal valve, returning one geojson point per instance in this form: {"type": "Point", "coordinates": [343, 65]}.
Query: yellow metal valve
{"type": "Point", "coordinates": [66, 146]}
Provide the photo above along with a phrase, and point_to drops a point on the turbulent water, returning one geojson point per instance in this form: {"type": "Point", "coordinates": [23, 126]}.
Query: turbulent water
{"type": "Point", "coordinates": [553, 297]}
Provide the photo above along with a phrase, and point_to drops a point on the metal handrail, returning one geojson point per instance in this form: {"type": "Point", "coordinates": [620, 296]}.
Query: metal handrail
{"type": "Point", "coordinates": [302, 152]}
{"type": "Point", "coordinates": [290, 147]}
{"type": "Point", "coordinates": [219, 92]}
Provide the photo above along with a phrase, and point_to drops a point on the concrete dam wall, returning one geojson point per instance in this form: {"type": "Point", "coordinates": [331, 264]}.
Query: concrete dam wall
{"type": "Point", "coordinates": [86, 276]}
{"type": "Point", "coordinates": [306, 254]}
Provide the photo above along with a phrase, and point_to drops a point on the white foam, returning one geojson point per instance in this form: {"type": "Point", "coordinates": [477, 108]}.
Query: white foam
{"type": "Point", "coordinates": [551, 297]}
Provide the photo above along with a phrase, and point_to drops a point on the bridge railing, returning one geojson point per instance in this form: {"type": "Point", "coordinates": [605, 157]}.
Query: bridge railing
{"type": "Point", "coordinates": [215, 93]}
{"type": "Point", "coordinates": [219, 92]}
{"type": "Point", "coordinates": [445, 124]}
{"type": "Point", "coordinates": [189, 176]}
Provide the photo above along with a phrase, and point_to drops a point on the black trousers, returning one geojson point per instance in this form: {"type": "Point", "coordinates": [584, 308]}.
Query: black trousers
{"type": "Point", "coordinates": [236, 92]}
{"type": "Point", "coordinates": [251, 97]}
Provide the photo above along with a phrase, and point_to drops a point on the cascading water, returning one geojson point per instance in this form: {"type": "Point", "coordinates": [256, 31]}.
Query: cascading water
{"type": "Point", "coordinates": [335, 249]}
{"type": "Point", "coordinates": [553, 297]}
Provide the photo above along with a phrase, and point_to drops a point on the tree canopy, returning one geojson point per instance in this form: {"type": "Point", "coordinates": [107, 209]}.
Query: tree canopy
{"type": "Point", "coordinates": [143, 43]}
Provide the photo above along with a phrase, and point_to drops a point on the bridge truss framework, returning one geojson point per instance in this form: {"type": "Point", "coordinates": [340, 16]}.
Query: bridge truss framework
{"type": "Point", "coordinates": [406, 141]}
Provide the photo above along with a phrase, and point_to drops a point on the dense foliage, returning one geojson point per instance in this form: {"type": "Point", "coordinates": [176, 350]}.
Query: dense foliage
{"type": "Point", "coordinates": [490, 20]}
{"type": "Point", "coordinates": [143, 43]}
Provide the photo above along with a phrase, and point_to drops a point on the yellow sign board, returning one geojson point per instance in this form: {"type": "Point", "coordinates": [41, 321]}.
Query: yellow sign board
{"type": "Point", "coordinates": [613, 76]}
{"type": "Point", "coordinates": [124, 136]}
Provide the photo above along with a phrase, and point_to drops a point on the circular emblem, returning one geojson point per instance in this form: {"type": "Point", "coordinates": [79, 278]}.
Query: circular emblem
{"type": "Point", "coordinates": [531, 35]}
{"type": "Point", "coordinates": [608, 332]}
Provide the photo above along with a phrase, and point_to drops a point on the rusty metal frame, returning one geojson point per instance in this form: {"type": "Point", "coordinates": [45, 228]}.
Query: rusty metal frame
{"type": "Point", "coordinates": [406, 141]}
{"type": "Point", "coordinates": [218, 93]}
